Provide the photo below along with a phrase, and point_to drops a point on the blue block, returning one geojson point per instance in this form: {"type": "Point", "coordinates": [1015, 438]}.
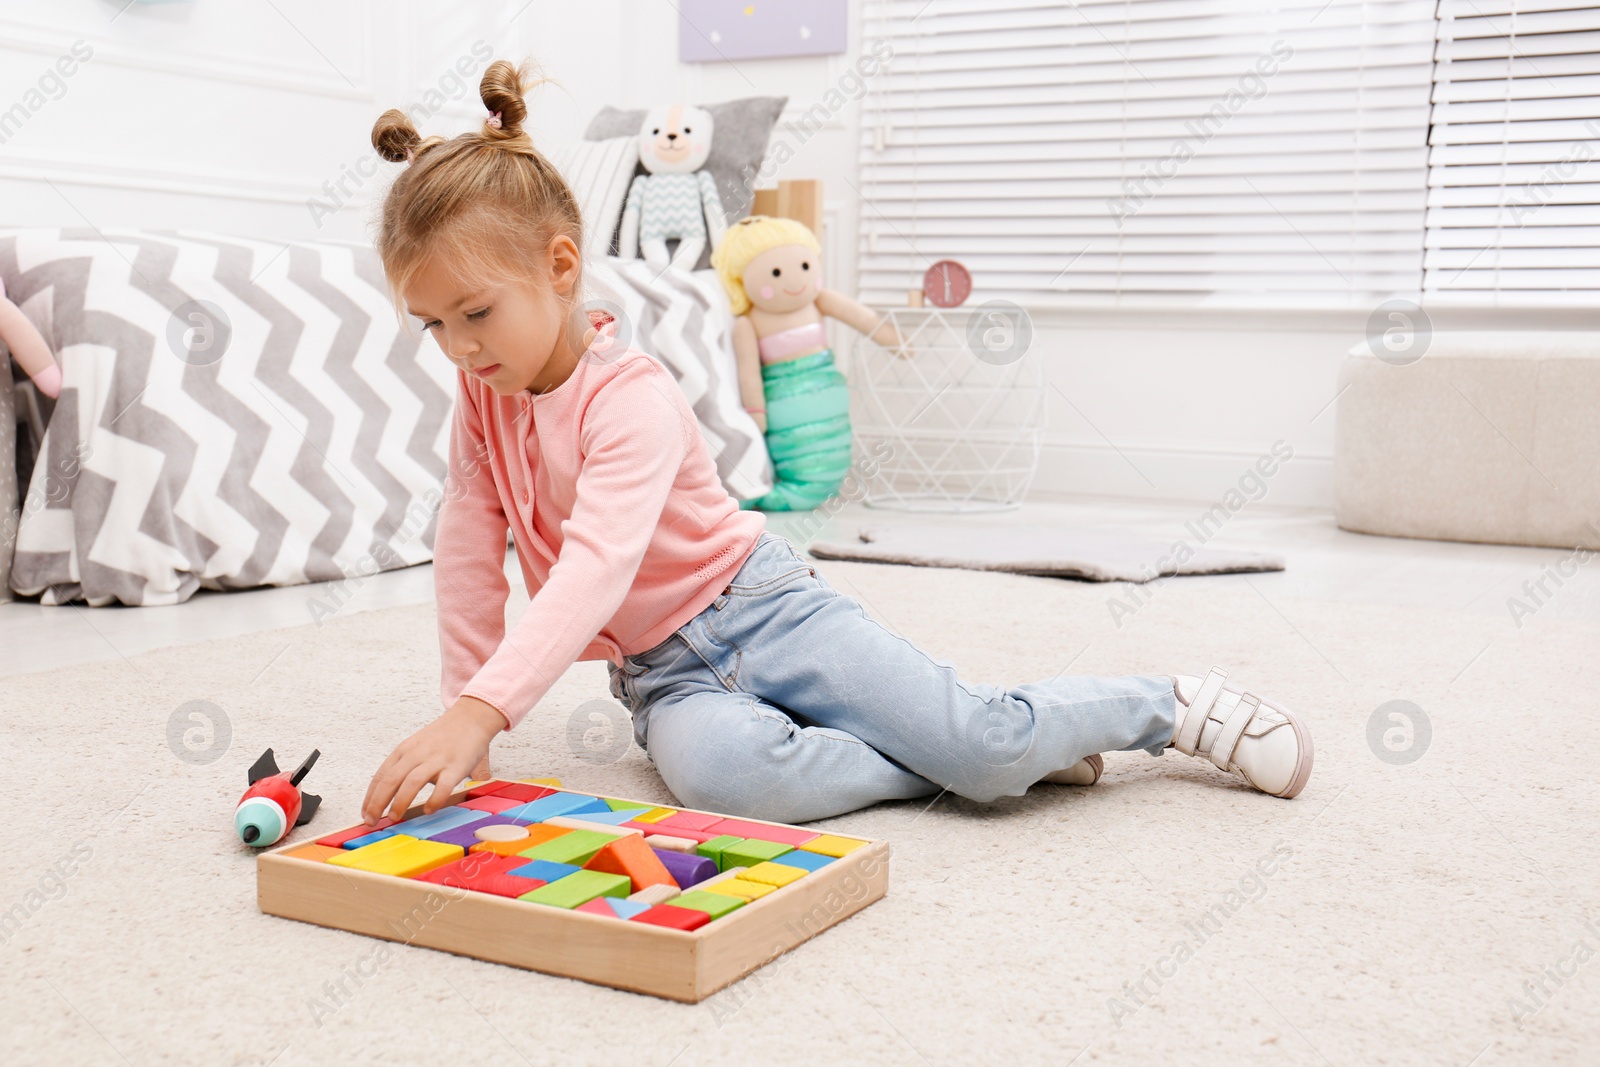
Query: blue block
{"type": "Point", "coordinates": [544, 870]}
{"type": "Point", "coordinates": [424, 826]}
{"type": "Point", "coordinates": [625, 908]}
{"type": "Point", "coordinates": [558, 804]}
{"type": "Point", "coordinates": [806, 861]}
{"type": "Point", "coordinates": [376, 835]}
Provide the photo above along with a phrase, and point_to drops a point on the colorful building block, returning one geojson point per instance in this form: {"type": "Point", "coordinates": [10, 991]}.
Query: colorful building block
{"type": "Point", "coordinates": [748, 853]}
{"type": "Point", "coordinates": [583, 822]}
{"type": "Point", "coordinates": [483, 872]}
{"type": "Point", "coordinates": [373, 838]}
{"type": "Point", "coordinates": [656, 894]}
{"type": "Point", "coordinates": [361, 830]}
{"type": "Point", "coordinates": [631, 857]}
{"type": "Point", "coordinates": [655, 815]}
{"type": "Point", "coordinates": [774, 874]}
{"type": "Point", "coordinates": [712, 849]}
{"type": "Point", "coordinates": [538, 834]}
{"type": "Point", "coordinates": [675, 918]}
{"type": "Point", "coordinates": [676, 831]}
{"type": "Point", "coordinates": [792, 836]}
{"type": "Point", "coordinates": [492, 804]}
{"type": "Point", "coordinates": [672, 844]}
{"type": "Point", "coordinates": [686, 870]}
{"type": "Point", "coordinates": [543, 870]}
{"type": "Point", "coordinates": [466, 835]}
{"type": "Point", "coordinates": [574, 846]}
{"type": "Point", "coordinates": [598, 906]}
{"type": "Point", "coordinates": [553, 783]}
{"type": "Point", "coordinates": [578, 888]}
{"type": "Point", "coordinates": [400, 855]}
{"type": "Point", "coordinates": [742, 888]}
{"type": "Point", "coordinates": [425, 826]}
{"type": "Point", "coordinates": [726, 876]}
{"type": "Point", "coordinates": [486, 789]}
{"type": "Point", "coordinates": [806, 861]}
{"type": "Point", "coordinates": [315, 853]}
{"type": "Point", "coordinates": [687, 820]}
{"type": "Point", "coordinates": [520, 792]}
{"type": "Point", "coordinates": [625, 907]}
{"type": "Point", "coordinates": [829, 845]}
{"type": "Point", "coordinates": [715, 905]}
{"type": "Point", "coordinates": [626, 805]}
{"type": "Point", "coordinates": [609, 818]}
{"type": "Point", "coordinates": [556, 804]}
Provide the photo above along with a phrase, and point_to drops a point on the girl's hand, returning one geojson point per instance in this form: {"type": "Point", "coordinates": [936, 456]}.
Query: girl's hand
{"type": "Point", "coordinates": [442, 752]}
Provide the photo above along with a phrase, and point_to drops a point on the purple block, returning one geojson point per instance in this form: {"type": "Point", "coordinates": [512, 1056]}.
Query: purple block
{"type": "Point", "coordinates": [466, 836]}
{"type": "Point", "coordinates": [685, 869]}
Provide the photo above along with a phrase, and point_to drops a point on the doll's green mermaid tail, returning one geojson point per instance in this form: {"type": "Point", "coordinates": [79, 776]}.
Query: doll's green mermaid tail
{"type": "Point", "coordinates": [808, 432]}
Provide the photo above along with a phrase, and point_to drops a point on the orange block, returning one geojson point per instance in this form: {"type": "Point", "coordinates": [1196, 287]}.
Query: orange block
{"type": "Point", "coordinates": [538, 834]}
{"type": "Point", "coordinates": [632, 857]}
{"type": "Point", "coordinates": [315, 853]}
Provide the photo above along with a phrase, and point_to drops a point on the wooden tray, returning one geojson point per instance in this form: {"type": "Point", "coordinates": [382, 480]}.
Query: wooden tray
{"type": "Point", "coordinates": [677, 964]}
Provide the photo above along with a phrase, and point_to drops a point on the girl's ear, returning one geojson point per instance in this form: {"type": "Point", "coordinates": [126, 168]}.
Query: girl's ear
{"type": "Point", "coordinates": [564, 262]}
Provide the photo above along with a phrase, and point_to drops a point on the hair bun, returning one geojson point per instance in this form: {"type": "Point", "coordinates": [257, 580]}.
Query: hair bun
{"type": "Point", "coordinates": [394, 136]}
{"type": "Point", "coordinates": [503, 88]}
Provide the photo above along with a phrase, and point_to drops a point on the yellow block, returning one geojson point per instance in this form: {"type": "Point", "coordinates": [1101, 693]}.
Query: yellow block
{"type": "Point", "coordinates": [553, 783]}
{"type": "Point", "coordinates": [655, 815]}
{"type": "Point", "coordinates": [739, 887]}
{"type": "Point", "coordinates": [828, 845]}
{"type": "Point", "coordinates": [400, 855]}
{"type": "Point", "coordinates": [315, 853]}
{"type": "Point", "coordinates": [773, 874]}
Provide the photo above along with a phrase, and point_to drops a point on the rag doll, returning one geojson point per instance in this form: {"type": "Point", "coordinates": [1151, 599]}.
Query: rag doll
{"type": "Point", "coordinates": [771, 268]}
{"type": "Point", "coordinates": [677, 198]}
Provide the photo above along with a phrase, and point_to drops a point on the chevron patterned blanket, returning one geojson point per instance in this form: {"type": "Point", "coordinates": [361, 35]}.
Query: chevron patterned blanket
{"type": "Point", "coordinates": [239, 412]}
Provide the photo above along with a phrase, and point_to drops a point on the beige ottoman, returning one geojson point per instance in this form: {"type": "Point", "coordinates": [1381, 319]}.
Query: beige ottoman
{"type": "Point", "coordinates": [1487, 437]}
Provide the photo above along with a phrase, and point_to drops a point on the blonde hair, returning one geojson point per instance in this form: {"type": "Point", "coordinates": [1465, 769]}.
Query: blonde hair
{"type": "Point", "coordinates": [487, 201]}
{"type": "Point", "coordinates": [747, 239]}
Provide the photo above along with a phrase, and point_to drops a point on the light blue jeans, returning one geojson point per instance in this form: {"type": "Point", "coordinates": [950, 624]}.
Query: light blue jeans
{"type": "Point", "coordinates": [784, 701]}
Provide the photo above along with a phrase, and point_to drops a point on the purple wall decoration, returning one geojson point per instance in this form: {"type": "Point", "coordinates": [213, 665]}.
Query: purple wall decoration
{"type": "Point", "coordinates": [712, 31]}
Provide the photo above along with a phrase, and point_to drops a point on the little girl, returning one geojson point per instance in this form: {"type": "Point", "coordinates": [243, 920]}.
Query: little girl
{"type": "Point", "coordinates": [756, 689]}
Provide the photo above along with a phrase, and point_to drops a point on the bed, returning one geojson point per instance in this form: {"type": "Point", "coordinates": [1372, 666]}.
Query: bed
{"type": "Point", "coordinates": [238, 413]}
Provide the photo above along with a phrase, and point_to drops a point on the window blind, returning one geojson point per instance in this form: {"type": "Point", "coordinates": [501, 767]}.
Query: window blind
{"type": "Point", "coordinates": [1110, 153]}
{"type": "Point", "coordinates": [1514, 154]}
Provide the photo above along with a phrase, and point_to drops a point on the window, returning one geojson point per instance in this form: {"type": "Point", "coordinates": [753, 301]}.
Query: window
{"type": "Point", "coordinates": [1198, 153]}
{"type": "Point", "coordinates": [1514, 156]}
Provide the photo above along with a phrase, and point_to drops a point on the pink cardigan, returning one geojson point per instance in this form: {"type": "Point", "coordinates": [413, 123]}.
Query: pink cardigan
{"type": "Point", "coordinates": [622, 527]}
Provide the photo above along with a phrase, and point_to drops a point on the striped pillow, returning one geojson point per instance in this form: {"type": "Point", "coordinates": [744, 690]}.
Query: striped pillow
{"type": "Point", "coordinates": [599, 173]}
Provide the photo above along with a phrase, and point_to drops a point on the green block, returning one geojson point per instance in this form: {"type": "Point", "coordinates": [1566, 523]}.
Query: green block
{"type": "Point", "coordinates": [580, 887]}
{"type": "Point", "coordinates": [749, 852]}
{"type": "Point", "coordinates": [576, 847]}
{"type": "Point", "coordinates": [715, 905]}
{"type": "Point", "coordinates": [712, 850]}
{"type": "Point", "coordinates": [626, 805]}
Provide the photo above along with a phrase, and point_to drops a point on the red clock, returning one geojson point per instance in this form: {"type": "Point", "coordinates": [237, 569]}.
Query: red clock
{"type": "Point", "coordinates": [946, 284]}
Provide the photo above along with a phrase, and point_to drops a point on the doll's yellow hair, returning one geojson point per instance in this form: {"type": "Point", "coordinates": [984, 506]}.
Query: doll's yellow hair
{"type": "Point", "coordinates": [747, 239]}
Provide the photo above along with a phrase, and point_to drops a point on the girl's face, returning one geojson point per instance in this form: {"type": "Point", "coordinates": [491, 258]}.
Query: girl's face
{"type": "Point", "coordinates": [514, 335]}
{"type": "Point", "coordinates": [783, 279]}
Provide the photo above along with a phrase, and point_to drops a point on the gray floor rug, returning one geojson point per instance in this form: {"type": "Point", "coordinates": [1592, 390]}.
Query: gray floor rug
{"type": "Point", "coordinates": [1095, 555]}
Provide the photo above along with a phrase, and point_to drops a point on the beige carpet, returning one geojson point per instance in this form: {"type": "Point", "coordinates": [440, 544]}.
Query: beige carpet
{"type": "Point", "coordinates": [1405, 909]}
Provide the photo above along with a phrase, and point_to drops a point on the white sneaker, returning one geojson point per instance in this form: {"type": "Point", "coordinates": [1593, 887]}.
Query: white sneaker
{"type": "Point", "coordinates": [1086, 771]}
{"type": "Point", "coordinates": [1264, 745]}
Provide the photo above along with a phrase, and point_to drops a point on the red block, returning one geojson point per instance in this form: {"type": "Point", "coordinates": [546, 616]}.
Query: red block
{"type": "Point", "coordinates": [597, 906]}
{"type": "Point", "coordinates": [688, 820]}
{"type": "Point", "coordinates": [630, 856]}
{"type": "Point", "coordinates": [493, 804]}
{"type": "Point", "coordinates": [523, 792]}
{"type": "Point", "coordinates": [760, 831]}
{"type": "Point", "coordinates": [483, 872]}
{"type": "Point", "coordinates": [488, 788]}
{"type": "Point", "coordinates": [676, 918]}
{"type": "Point", "coordinates": [648, 828]}
{"type": "Point", "coordinates": [337, 840]}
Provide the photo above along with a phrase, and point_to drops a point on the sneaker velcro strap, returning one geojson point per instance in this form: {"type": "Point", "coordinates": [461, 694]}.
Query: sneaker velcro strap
{"type": "Point", "coordinates": [1227, 738]}
{"type": "Point", "coordinates": [1194, 719]}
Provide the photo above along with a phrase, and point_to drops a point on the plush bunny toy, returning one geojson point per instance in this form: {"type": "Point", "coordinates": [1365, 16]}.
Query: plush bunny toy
{"type": "Point", "coordinates": [677, 198]}
{"type": "Point", "coordinates": [28, 347]}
